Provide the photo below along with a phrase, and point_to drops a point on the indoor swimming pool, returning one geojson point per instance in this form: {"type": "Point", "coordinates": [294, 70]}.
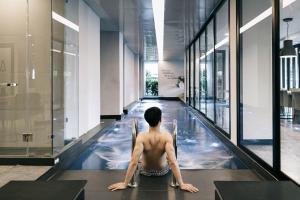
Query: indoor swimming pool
{"type": "Point", "coordinates": [198, 147]}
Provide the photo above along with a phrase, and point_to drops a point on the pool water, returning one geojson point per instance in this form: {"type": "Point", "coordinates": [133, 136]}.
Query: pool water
{"type": "Point", "coordinates": [198, 147]}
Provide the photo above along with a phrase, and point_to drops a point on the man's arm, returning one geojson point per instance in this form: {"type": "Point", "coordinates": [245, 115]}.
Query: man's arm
{"type": "Point", "coordinates": [174, 166]}
{"type": "Point", "coordinates": [138, 150]}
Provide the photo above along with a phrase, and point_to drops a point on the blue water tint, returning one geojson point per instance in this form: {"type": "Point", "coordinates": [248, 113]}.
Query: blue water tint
{"type": "Point", "coordinates": [198, 147]}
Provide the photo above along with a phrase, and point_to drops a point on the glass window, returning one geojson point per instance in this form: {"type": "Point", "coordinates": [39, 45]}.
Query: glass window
{"type": "Point", "coordinates": [210, 92]}
{"type": "Point", "coordinates": [256, 77]}
{"type": "Point", "coordinates": [203, 82]}
{"type": "Point", "coordinates": [151, 79]}
{"type": "Point", "coordinates": [289, 88]}
{"type": "Point", "coordinates": [222, 68]}
{"type": "Point", "coordinates": [192, 102]}
{"type": "Point", "coordinates": [197, 73]}
{"type": "Point", "coordinates": [187, 76]}
{"type": "Point", "coordinates": [209, 73]}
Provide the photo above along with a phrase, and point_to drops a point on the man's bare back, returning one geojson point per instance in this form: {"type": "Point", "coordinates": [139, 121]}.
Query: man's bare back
{"type": "Point", "coordinates": [154, 154]}
{"type": "Point", "coordinates": [154, 148]}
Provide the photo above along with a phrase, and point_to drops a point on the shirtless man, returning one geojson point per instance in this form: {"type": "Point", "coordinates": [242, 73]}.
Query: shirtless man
{"type": "Point", "coordinates": [157, 151]}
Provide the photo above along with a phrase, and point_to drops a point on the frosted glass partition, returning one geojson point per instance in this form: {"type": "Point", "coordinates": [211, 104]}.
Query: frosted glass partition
{"type": "Point", "coordinates": [25, 81]}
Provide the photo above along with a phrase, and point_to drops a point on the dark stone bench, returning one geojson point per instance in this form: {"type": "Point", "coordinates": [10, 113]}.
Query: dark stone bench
{"type": "Point", "coordinates": [254, 190]}
{"type": "Point", "coordinates": [44, 190]}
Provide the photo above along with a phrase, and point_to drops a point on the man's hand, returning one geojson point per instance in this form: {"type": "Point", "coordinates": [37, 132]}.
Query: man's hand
{"type": "Point", "coordinates": [117, 186]}
{"type": "Point", "coordinates": [188, 187]}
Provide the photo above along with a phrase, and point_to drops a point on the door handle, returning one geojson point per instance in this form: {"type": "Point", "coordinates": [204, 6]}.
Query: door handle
{"type": "Point", "coordinates": [9, 84]}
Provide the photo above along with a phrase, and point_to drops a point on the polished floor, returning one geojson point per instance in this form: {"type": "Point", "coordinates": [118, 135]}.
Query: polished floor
{"type": "Point", "coordinates": [198, 148]}
{"type": "Point", "coordinates": [157, 188]}
{"type": "Point", "coordinates": [21, 172]}
{"type": "Point", "coordinates": [290, 149]}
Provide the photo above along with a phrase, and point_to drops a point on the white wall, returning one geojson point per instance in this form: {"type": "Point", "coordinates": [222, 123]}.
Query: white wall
{"type": "Point", "coordinates": [89, 69]}
{"type": "Point", "coordinates": [168, 73]}
{"type": "Point", "coordinates": [131, 77]}
{"type": "Point", "coordinates": [111, 72]}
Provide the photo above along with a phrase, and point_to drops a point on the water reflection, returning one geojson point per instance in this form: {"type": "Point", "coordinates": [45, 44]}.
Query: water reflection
{"type": "Point", "coordinates": [198, 148]}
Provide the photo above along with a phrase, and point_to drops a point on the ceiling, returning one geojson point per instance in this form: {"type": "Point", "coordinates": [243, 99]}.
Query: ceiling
{"type": "Point", "coordinates": [134, 18]}
{"type": "Point", "coordinates": [294, 29]}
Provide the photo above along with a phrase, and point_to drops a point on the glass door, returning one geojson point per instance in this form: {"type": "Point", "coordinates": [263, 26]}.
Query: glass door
{"type": "Point", "coordinates": [25, 117]}
{"type": "Point", "coordinates": [13, 83]}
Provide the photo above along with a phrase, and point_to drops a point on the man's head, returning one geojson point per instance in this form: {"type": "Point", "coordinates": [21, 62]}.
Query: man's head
{"type": "Point", "coordinates": [153, 116]}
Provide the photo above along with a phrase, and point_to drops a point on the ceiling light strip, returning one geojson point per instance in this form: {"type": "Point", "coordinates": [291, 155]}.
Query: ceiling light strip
{"type": "Point", "coordinates": [286, 3]}
{"type": "Point", "coordinates": [56, 50]}
{"type": "Point", "coordinates": [256, 20]}
{"type": "Point", "coordinates": [221, 43]}
{"type": "Point", "coordinates": [69, 53]}
{"type": "Point", "coordinates": [64, 21]}
{"type": "Point", "coordinates": [159, 16]}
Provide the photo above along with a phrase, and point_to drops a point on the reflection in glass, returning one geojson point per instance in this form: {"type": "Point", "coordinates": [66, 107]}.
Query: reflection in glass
{"type": "Point", "coordinates": [203, 81]}
{"type": "Point", "coordinates": [290, 91]}
{"type": "Point", "coordinates": [256, 78]}
{"type": "Point", "coordinates": [65, 57]}
{"type": "Point", "coordinates": [187, 65]}
{"type": "Point", "coordinates": [25, 64]}
{"type": "Point", "coordinates": [222, 68]}
{"type": "Point", "coordinates": [197, 73]}
{"type": "Point", "coordinates": [210, 98]}
{"type": "Point", "coordinates": [192, 100]}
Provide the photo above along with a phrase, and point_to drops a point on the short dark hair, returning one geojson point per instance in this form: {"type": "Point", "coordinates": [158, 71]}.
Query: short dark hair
{"type": "Point", "coordinates": [153, 116]}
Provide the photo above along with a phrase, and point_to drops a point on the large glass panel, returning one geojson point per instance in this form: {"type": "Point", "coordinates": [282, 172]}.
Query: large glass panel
{"type": "Point", "coordinates": [65, 33]}
{"type": "Point", "coordinates": [25, 98]}
{"type": "Point", "coordinates": [187, 76]}
{"type": "Point", "coordinates": [210, 96]}
{"type": "Point", "coordinates": [222, 68]}
{"type": "Point", "coordinates": [197, 73]}
{"type": "Point", "coordinates": [192, 103]}
{"type": "Point", "coordinates": [289, 90]}
{"type": "Point", "coordinates": [203, 81]}
{"type": "Point", "coordinates": [256, 77]}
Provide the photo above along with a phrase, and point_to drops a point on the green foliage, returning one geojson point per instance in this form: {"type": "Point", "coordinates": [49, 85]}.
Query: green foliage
{"type": "Point", "coordinates": [151, 85]}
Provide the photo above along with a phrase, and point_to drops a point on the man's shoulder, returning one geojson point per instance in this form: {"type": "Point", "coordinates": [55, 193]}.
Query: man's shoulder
{"type": "Point", "coordinates": [141, 134]}
{"type": "Point", "coordinates": [166, 135]}
{"type": "Point", "coordinates": [140, 137]}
